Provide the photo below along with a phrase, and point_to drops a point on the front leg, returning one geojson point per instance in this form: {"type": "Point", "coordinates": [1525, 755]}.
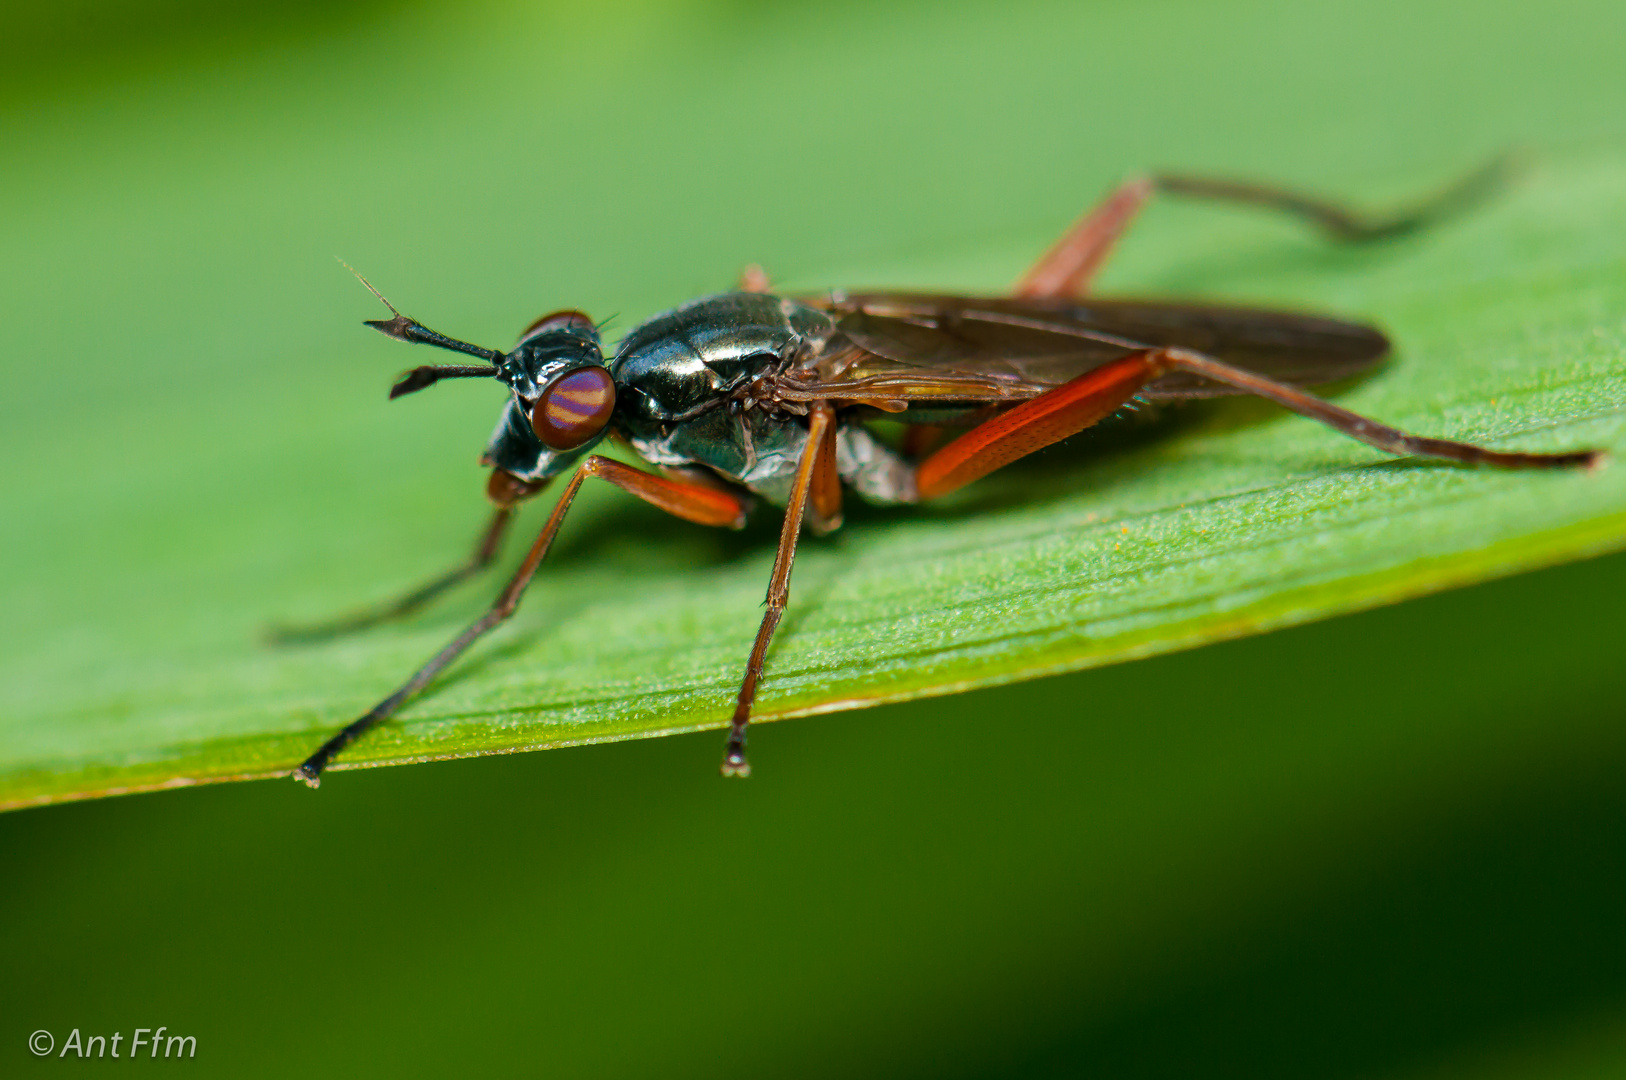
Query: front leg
{"type": "Point", "coordinates": [693, 502]}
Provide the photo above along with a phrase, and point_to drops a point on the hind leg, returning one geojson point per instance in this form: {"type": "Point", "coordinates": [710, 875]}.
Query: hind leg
{"type": "Point", "coordinates": [1071, 264]}
{"type": "Point", "coordinates": [1086, 400]}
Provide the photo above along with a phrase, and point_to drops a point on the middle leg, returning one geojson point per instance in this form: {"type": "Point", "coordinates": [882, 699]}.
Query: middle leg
{"type": "Point", "coordinates": [821, 424]}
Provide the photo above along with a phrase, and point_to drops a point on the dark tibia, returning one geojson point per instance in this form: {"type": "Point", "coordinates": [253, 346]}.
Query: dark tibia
{"type": "Point", "coordinates": [311, 771]}
{"type": "Point", "coordinates": [821, 421]}
{"type": "Point", "coordinates": [1068, 268]}
{"type": "Point", "coordinates": [484, 552]}
{"type": "Point", "coordinates": [1370, 431]}
{"type": "Point", "coordinates": [1343, 224]}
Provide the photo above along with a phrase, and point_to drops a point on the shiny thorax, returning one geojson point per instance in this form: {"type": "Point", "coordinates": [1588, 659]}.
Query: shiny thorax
{"type": "Point", "coordinates": [698, 386]}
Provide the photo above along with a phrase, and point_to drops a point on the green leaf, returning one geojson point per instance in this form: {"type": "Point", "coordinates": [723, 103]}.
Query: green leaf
{"type": "Point", "coordinates": [205, 447]}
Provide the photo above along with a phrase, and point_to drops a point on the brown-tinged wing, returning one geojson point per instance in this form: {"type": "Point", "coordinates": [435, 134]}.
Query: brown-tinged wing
{"type": "Point", "coordinates": [926, 347]}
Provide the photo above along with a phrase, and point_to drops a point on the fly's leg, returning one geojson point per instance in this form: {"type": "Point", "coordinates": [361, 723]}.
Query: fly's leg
{"type": "Point", "coordinates": [920, 440]}
{"type": "Point", "coordinates": [703, 505]}
{"type": "Point", "coordinates": [821, 423]}
{"type": "Point", "coordinates": [506, 491]}
{"type": "Point", "coordinates": [484, 552]}
{"type": "Point", "coordinates": [1075, 405]}
{"type": "Point", "coordinates": [1370, 431]}
{"type": "Point", "coordinates": [1037, 423]}
{"type": "Point", "coordinates": [755, 279]}
{"type": "Point", "coordinates": [1068, 268]}
{"type": "Point", "coordinates": [824, 486]}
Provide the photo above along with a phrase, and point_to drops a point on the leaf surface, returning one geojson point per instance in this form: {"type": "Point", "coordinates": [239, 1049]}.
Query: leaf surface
{"type": "Point", "coordinates": [216, 454]}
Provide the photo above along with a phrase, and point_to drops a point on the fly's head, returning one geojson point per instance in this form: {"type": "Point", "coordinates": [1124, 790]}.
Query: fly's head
{"type": "Point", "coordinates": [559, 379]}
{"type": "Point", "coordinates": [563, 395]}
{"type": "Point", "coordinates": [563, 399]}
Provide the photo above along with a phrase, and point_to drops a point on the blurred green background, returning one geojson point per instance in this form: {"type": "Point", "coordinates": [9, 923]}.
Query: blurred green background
{"type": "Point", "coordinates": [1387, 845]}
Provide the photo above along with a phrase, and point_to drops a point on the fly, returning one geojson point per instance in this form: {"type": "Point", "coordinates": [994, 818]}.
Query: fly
{"type": "Point", "coordinates": [751, 396]}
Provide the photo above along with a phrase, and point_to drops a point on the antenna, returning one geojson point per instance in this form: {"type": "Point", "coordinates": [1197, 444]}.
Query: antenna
{"type": "Point", "coordinates": [414, 332]}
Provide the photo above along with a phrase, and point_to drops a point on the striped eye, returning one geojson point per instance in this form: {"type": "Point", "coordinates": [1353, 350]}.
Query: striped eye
{"type": "Point", "coordinates": [574, 408]}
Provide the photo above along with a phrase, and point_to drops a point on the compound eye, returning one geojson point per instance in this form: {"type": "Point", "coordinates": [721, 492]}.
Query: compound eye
{"type": "Point", "coordinates": [574, 408]}
{"type": "Point", "coordinates": [560, 320]}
